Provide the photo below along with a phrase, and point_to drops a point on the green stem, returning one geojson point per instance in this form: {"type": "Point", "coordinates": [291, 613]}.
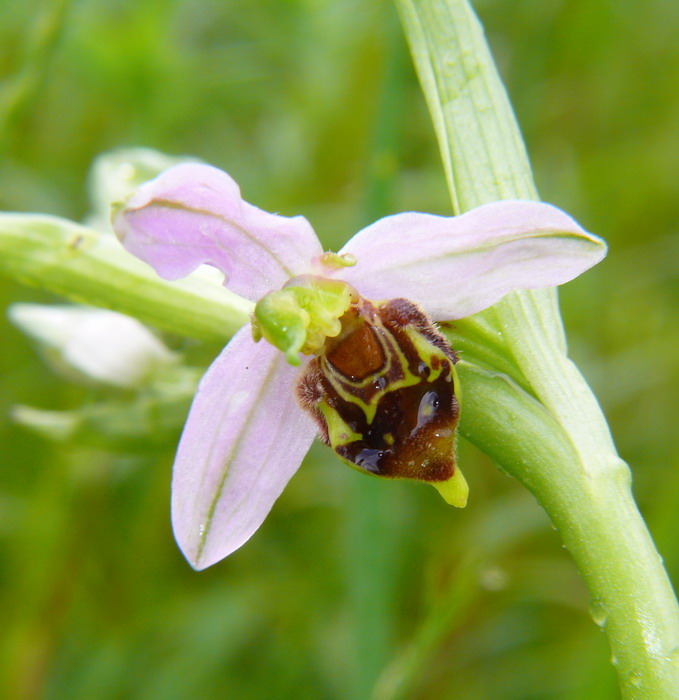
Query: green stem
{"type": "Point", "coordinates": [90, 267]}
{"type": "Point", "coordinates": [599, 523]}
{"type": "Point", "coordinates": [559, 445]}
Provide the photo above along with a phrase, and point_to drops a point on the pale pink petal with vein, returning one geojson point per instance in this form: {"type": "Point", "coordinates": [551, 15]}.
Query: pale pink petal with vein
{"type": "Point", "coordinates": [244, 439]}
{"type": "Point", "coordinates": [456, 266]}
{"type": "Point", "coordinates": [193, 214]}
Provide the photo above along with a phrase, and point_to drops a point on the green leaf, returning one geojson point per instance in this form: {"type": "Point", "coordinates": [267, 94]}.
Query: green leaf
{"type": "Point", "coordinates": [483, 153]}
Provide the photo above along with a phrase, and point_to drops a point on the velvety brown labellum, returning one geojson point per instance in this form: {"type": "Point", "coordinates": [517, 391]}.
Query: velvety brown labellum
{"type": "Point", "coordinates": [383, 392]}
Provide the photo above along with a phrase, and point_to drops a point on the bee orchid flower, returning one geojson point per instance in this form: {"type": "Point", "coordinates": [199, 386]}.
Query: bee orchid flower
{"type": "Point", "coordinates": [350, 351]}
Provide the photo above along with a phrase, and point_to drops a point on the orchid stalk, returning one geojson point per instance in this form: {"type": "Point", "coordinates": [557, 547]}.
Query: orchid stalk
{"type": "Point", "coordinates": [576, 475]}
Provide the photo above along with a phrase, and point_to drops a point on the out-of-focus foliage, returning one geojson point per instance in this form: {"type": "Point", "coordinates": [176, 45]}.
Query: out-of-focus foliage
{"type": "Point", "coordinates": [313, 107]}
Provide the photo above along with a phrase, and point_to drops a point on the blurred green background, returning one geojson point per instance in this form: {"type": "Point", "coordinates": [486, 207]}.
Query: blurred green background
{"type": "Point", "coordinates": [352, 587]}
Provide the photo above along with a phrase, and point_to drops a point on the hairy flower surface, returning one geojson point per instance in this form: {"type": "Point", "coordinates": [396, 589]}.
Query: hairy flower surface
{"type": "Point", "coordinates": [246, 434]}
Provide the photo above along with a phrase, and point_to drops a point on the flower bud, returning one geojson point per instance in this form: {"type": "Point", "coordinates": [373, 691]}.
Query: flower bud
{"type": "Point", "coordinates": [103, 345]}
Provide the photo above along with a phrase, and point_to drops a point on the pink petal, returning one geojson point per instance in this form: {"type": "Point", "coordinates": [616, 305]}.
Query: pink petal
{"type": "Point", "coordinates": [244, 439]}
{"type": "Point", "coordinates": [456, 266]}
{"type": "Point", "coordinates": [193, 214]}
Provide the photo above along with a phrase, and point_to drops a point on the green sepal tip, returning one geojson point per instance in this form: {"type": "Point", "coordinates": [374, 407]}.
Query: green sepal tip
{"type": "Point", "coordinates": [454, 490]}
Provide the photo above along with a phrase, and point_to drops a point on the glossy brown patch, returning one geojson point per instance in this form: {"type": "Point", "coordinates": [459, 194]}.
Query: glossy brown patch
{"type": "Point", "coordinates": [357, 354]}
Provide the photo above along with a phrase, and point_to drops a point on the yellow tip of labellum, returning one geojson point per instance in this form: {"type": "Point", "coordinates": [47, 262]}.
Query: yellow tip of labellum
{"type": "Point", "coordinates": [454, 491]}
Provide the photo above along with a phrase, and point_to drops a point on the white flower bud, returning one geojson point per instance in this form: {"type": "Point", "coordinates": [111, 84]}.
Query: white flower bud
{"type": "Point", "coordinates": [104, 345]}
